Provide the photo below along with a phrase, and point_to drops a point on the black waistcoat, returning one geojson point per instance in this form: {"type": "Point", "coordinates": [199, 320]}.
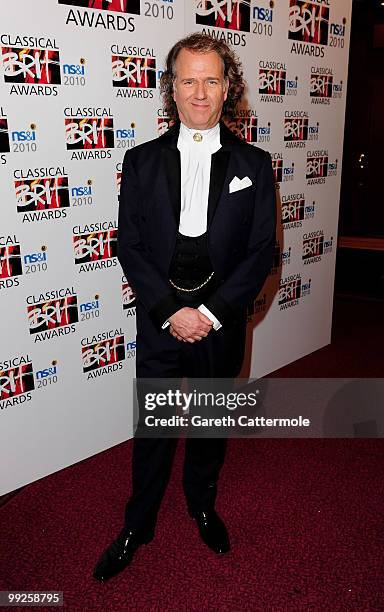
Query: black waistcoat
{"type": "Point", "coordinates": [191, 266]}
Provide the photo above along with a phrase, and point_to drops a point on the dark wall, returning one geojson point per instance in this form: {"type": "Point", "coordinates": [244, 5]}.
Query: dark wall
{"type": "Point", "coordinates": [362, 202]}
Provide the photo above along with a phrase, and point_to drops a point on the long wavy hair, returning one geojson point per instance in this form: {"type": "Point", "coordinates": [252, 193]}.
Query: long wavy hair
{"type": "Point", "coordinates": [202, 43]}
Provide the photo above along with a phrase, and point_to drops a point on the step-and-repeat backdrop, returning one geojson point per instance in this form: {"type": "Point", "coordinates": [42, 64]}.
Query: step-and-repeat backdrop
{"type": "Point", "coordinates": [79, 84]}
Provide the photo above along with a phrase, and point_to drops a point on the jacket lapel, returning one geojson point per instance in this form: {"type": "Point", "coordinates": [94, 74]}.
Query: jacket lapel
{"type": "Point", "coordinates": [219, 169]}
{"type": "Point", "coordinates": [173, 171]}
{"type": "Point", "coordinates": [219, 165]}
{"type": "Point", "coordinates": [173, 168]}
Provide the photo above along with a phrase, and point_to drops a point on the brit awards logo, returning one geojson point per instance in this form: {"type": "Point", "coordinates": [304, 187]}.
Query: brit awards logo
{"type": "Point", "coordinates": [229, 14]}
{"type": "Point", "coordinates": [106, 14]}
{"type": "Point", "coordinates": [133, 71]}
{"type": "Point", "coordinates": [295, 128]}
{"type": "Point", "coordinates": [103, 353]}
{"type": "Point", "coordinates": [52, 314]}
{"type": "Point", "coordinates": [41, 193]}
{"type": "Point", "coordinates": [284, 172]}
{"type": "Point", "coordinates": [163, 122]}
{"type": "Point", "coordinates": [291, 290]}
{"type": "Point", "coordinates": [10, 262]}
{"type": "Point", "coordinates": [311, 29]}
{"type": "Point", "coordinates": [315, 246]}
{"type": "Point", "coordinates": [16, 381]}
{"type": "Point", "coordinates": [31, 65]}
{"type": "Point", "coordinates": [89, 132]}
{"type": "Point", "coordinates": [321, 85]}
{"type": "Point", "coordinates": [247, 126]}
{"type": "Point", "coordinates": [232, 16]}
{"type": "Point", "coordinates": [273, 82]}
{"type": "Point", "coordinates": [309, 26]}
{"type": "Point", "coordinates": [294, 210]}
{"type": "Point", "coordinates": [128, 298]}
{"type": "Point", "coordinates": [317, 167]}
{"type": "Point", "coordinates": [95, 245]}
{"type": "Point", "coordinates": [277, 165]}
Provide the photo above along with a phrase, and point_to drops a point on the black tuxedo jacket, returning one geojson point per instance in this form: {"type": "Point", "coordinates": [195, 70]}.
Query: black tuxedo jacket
{"type": "Point", "coordinates": [240, 225]}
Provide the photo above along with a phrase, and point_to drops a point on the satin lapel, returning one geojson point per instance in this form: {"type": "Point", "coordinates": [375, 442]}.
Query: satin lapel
{"type": "Point", "coordinates": [219, 166]}
{"type": "Point", "coordinates": [173, 170]}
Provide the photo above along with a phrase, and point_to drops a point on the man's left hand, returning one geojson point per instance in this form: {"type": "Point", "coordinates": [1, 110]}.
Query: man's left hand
{"type": "Point", "coordinates": [175, 334]}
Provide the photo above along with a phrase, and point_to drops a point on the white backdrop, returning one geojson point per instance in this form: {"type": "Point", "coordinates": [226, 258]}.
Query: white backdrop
{"type": "Point", "coordinates": [78, 85]}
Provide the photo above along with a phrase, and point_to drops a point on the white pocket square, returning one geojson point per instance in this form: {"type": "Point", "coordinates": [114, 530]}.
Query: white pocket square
{"type": "Point", "coordinates": [236, 184]}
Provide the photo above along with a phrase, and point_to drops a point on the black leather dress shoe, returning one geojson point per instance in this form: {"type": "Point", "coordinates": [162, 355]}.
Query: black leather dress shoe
{"type": "Point", "coordinates": [120, 553]}
{"type": "Point", "coordinates": [212, 530]}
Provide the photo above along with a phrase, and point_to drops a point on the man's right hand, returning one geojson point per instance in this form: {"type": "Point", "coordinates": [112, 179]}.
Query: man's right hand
{"type": "Point", "coordinates": [189, 324]}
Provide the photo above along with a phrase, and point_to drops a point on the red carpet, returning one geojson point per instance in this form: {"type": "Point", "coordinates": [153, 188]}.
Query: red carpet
{"type": "Point", "coordinates": [305, 518]}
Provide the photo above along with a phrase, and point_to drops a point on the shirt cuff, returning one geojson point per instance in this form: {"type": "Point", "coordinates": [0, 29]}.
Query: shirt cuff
{"type": "Point", "coordinates": [216, 322]}
{"type": "Point", "coordinates": [165, 324]}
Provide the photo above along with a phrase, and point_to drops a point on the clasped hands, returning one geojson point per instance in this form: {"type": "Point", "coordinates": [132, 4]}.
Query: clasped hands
{"type": "Point", "coordinates": [189, 324]}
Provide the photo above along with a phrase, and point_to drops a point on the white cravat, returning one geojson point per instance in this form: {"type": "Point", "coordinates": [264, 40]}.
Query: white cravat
{"type": "Point", "coordinates": [195, 157]}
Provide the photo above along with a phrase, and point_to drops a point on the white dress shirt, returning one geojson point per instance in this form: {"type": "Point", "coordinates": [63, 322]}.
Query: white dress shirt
{"type": "Point", "coordinates": [195, 157]}
{"type": "Point", "coordinates": [195, 172]}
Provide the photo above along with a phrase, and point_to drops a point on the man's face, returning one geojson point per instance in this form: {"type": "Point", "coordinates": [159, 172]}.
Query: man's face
{"type": "Point", "coordinates": [199, 88]}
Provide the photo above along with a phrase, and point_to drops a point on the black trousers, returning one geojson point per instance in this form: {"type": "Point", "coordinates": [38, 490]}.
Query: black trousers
{"type": "Point", "coordinates": [160, 355]}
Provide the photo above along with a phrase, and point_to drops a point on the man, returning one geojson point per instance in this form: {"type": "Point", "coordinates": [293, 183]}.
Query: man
{"type": "Point", "coordinates": [196, 234]}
